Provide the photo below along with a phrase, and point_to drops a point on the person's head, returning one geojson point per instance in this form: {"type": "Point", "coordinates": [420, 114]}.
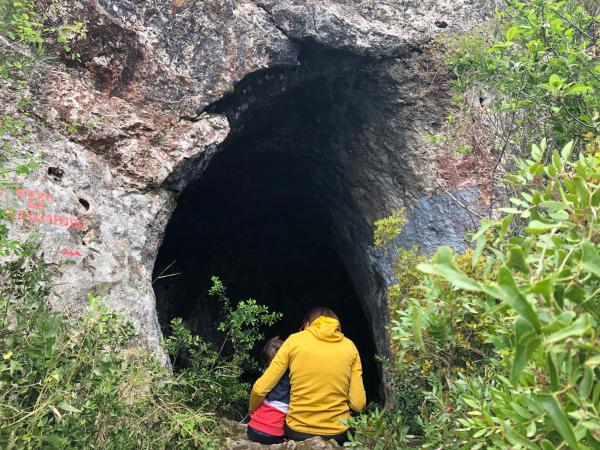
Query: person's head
{"type": "Point", "coordinates": [317, 312]}
{"type": "Point", "coordinates": [269, 350]}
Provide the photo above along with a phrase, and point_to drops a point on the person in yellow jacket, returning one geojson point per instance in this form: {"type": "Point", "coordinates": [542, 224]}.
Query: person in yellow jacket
{"type": "Point", "coordinates": [325, 376]}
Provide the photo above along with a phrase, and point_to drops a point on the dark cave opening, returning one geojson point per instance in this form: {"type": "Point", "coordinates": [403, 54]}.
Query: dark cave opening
{"type": "Point", "coordinates": [275, 212]}
{"type": "Point", "coordinates": [249, 223]}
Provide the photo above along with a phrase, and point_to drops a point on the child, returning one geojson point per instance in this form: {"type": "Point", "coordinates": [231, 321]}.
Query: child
{"type": "Point", "coordinates": [267, 422]}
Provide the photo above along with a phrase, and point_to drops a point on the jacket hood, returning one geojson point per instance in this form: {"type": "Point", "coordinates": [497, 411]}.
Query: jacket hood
{"type": "Point", "coordinates": [326, 329]}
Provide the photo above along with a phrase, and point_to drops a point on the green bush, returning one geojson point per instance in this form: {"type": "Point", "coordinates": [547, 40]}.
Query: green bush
{"type": "Point", "coordinates": [214, 376]}
{"type": "Point", "coordinates": [72, 383]}
{"type": "Point", "coordinates": [377, 429]}
{"type": "Point", "coordinates": [537, 63]}
{"type": "Point", "coordinates": [543, 389]}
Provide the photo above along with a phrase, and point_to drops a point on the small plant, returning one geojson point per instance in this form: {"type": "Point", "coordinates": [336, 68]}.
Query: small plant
{"type": "Point", "coordinates": [214, 374]}
{"type": "Point", "coordinates": [388, 228]}
{"type": "Point", "coordinates": [378, 430]}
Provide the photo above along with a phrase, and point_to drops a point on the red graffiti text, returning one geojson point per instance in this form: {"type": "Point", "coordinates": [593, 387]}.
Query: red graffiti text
{"type": "Point", "coordinates": [69, 252]}
{"type": "Point", "coordinates": [52, 219]}
{"type": "Point", "coordinates": [31, 194]}
{"type": "Point", "coordinates": [35, 204]}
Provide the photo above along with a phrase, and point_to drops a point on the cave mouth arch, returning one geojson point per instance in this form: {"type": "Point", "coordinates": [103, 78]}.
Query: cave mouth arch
{"type": "Point", "coordinates": [283, 211]}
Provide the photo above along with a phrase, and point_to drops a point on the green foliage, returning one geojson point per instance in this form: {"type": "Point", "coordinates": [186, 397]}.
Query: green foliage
{"type": "Point", "coordinates": [499, 347]}
{"type": "Point", "coordinates": [70, 382]}
{"type": "Point", "coordinates": [407, 277]}
{"type": "Point", "coordinates": [74, 382]}
{"type": "Point", "coordinates": [212, 377]}
{"type": "Point", "coordinates": [22, 22]}
{"type": "Point", "coordinates": [502, 341]}
{"type": "Point", "coordinates": [387, 228]}
{"type": "Point", "coordinates": [544, 388]}
{"type": "Point", "coordinates": [378, 430]}
{"type": "Point", "coordinates": [242, 324]}
{"type": "Point", "coordinates": [539, 65]}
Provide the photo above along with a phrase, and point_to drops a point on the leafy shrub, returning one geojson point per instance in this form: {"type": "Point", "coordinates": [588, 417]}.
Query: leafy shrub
{"type": "Point", "coordinates": [70, 382]}
{"type": "Point", "coordinates": [214, 376]}
{"type": "Point", "coordinates": [378, 430]}
{"type": "Point", "coordinates": [538, 65]}
{"type": "Point", "coordinates": [550, 278]}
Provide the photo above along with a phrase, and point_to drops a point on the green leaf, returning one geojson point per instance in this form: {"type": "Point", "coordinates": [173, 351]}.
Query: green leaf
{"type": "Point", "coordinates": [527, 342]}
{"type": "Point", "coordinates": [536, 226]}
{"type": "Point", "coordinates": [536, 153]}
{"type": "Point", "coordinates": [515, 438]}
{"type": "Point", "coordinates": [504, 225]}
{"type": "Point", "coordinates": [583, 192]}
{"type": "Point", "coordinates": [485, 225]}
{"type": "Point", "coordinates": [587, 382]}
{"type": "Point", "coordinates": [551, 405]}
{"type": "Point", "coordinates": [551, 362]}
{"type": "Point", "coordinates": [445, 269]}
{"type": "Point", "coordinates": [566, 151]}
{"type": "Point", "coordinates": [594, 361]}
{"type": "Point", "coordinates": [578, 88]}
{"type": "Point", "coordinates": [510, 210]}
{"type": "Point", "coordinates": [510, 294]}
{"type": "Point", "coordinates": [544, 287]}
{"type": "Point", "coordinates": [531, 429]}
{"type": "Point", "coordinates": [578, 328]}
{"type": "Point", "coordinates": [516, 260]}
{"type": "Point", "coordinates": [552, 205]}
{"type": "Point", "coordinates": [556, 161]}
{"type": "Point", "coordinates": [591, 260]}
{"type": "Point", "coordinates": [64, 405]}
{"type": "Point", "coordinates": [481, 242]}
{"type": "Point", "coordinates": [513, 32]}
{"type": "Point", "coordinates": [417, 320]}
{"type": "Point", "coordinates": [547, 445]}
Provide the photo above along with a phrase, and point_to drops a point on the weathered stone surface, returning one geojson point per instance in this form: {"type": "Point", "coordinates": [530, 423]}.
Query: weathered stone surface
{"type": "Point", "coordinates": [129, 125]}
{"type": "Point", "coordinates": [382, 28]}
{"type": "Point", "coordinates": [180, 54]}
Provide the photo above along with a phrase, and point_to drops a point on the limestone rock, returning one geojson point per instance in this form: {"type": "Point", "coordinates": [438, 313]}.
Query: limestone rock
{"type": "Point", "coordinates": [382, 28]}
{"type": "Point", "coordinates": [122, 132]}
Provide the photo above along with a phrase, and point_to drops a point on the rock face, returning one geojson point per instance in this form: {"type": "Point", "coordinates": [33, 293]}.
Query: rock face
{"type": "Point", "coordinates": [163, 86]}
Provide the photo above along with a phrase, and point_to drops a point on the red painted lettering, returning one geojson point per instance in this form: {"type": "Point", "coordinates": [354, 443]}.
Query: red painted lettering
{"type": "Point", "coordinates": [32, 204]}
{"type": "Point", "coordinates": [78, 224]}
{"type": "Point", "coordinates": [20, 215]}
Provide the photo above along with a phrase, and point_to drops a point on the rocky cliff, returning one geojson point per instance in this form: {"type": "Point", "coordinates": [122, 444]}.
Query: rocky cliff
{"type": "Point", "coordinates": [344, 87]}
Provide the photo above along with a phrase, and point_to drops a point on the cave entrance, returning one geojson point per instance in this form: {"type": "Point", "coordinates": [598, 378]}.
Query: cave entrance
{"type": "Point", "coordinates": [271, 213]}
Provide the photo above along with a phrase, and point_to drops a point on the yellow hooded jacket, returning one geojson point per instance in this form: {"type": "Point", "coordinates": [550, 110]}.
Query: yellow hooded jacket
{"type": "Point", "coordinates": [326, 378]}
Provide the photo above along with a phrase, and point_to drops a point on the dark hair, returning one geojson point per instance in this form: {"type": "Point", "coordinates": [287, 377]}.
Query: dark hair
{"type": "Point", "coordinates": [319, 311]}
{"type": "Point", "coordinates": [269, 350]}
